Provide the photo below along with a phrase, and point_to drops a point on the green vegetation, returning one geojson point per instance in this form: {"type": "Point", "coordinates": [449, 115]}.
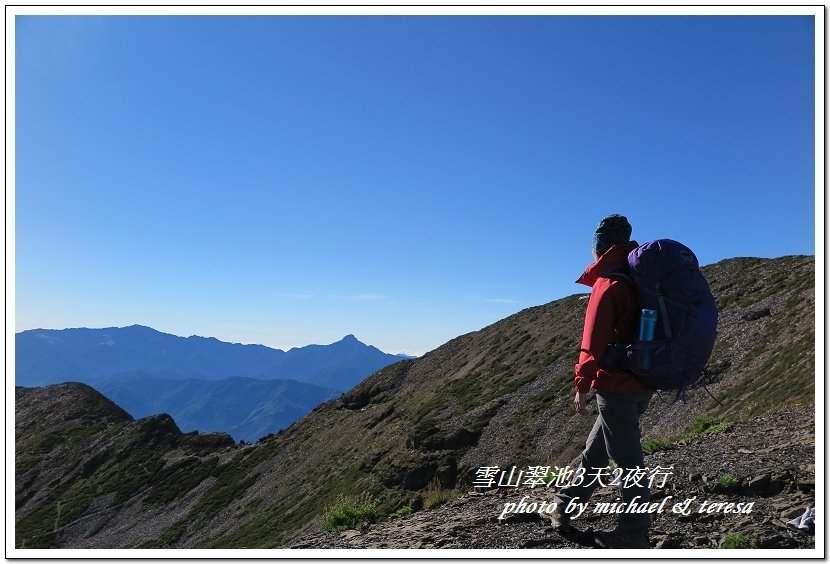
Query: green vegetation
{"type": "Point", "coordinates": [349, 513]}
{"type": "Point", "coordinates": [737, 540]}
{"type": "Point", "coordinates": [123, 469]}
{"type": "Point", "coordinates": [552, 474]}
{"type": "Point", "coordinates": [540, 400]}
{"type": "Point", "coordinates": [440, 497]}
{"type": "Point", "coordinates": [436, 495]}
{"type": "Point", "coordinates": [401, 512]}
{"type": "Point", "coordinates": [701, 427]}
{"type": "Point", "coordinates": [653, 445]}
{"type": "Point", "coordinates": [706, 425]}
{"type": "Point", "coordinates": [728, 481]}
{"type": "Point", "coordinates": [178, 478]}
{"type": "Point", "coordinates": [232, 479]}
{"type": "Point", "coordinates": [513, 359]}
{"type": "Point", "coordinates": [785, 377]}
{"type": "Point", "coordinates": [752, 280]}
{"type": "Point", "coordinates": [307, 499]}
{"type": "Point", "coordinates": [477, 388]}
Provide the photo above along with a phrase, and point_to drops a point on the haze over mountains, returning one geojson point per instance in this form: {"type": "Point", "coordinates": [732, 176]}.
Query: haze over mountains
{"type": "Point", "coordinates": [247, 391]}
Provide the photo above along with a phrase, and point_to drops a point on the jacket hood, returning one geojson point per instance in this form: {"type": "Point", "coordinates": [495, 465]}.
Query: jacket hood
{"type": "Point", "coordinates": [613, 258]}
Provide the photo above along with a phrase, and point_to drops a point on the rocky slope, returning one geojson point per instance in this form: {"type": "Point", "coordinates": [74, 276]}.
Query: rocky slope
{"type": "Point", "coordinates": [770, 457]}
{"type": "Point", "coordinates": [496, 397]}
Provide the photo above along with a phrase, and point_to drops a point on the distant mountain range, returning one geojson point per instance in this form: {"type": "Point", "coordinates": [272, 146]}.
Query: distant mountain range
{"type": "Point", "coordinates": [245, 408]}
{"type": "Point", "coordinates": [48, 356]}
{"type": "Point", "coordinates": [206, 384]}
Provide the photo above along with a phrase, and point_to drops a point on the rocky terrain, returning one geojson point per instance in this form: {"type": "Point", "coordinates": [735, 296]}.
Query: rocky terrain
{"type": "Point", "coordinates": [89, 476]}
{"type": "Point", "coordinates": [771, 458]}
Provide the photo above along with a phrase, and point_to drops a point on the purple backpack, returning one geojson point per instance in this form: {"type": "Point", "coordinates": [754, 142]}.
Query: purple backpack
{"type": "Point", "coordinates": [668, 279]}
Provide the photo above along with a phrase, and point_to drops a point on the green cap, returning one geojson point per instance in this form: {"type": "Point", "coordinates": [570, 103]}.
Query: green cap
{"type": "Point", "coordinates": [610, 231]}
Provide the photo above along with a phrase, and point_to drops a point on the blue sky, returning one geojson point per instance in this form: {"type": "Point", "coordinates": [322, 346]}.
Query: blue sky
{"type": "Point", "coordinates": [289, 180]}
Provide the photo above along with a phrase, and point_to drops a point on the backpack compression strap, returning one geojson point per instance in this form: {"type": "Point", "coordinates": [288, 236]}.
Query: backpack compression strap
{"type": "Point", "coordinates": [664, 312]}
{"type": "Point", "coordinates": [660, 300]}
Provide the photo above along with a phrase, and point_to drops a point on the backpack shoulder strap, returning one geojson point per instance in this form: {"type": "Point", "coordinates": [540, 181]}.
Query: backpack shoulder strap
{"type": "Point", "coordinates": [621, 275]}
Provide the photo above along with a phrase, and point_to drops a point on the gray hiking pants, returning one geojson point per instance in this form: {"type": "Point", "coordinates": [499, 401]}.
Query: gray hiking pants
{"type": "Point", "coordinates": [615, 435]}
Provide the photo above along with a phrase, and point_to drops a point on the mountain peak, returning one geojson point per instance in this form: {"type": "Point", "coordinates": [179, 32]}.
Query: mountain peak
{"type": "Point", "coordinates": [139, 328]}
{"type": "Point", "coordinates": [350, 339]}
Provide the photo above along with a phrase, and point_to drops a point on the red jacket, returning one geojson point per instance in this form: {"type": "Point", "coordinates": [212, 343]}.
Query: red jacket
{"type": "Point", "coordinates": [613, 312]}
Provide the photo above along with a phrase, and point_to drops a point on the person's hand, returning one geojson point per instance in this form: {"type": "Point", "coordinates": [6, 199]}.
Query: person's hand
{"type": "Point", "coordinates": [581, 403]}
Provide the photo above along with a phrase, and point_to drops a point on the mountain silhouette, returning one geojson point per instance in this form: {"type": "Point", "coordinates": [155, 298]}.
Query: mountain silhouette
{"type": "Point", "coordinates": [48, 356]}
{"type": "Point", "coordinates": [245, 408]}
{"type": "Point", "coordinates": [207, 385]}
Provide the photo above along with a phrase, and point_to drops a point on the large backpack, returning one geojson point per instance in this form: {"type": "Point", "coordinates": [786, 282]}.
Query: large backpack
{"type": "Point", "coordinates": [668, 280]}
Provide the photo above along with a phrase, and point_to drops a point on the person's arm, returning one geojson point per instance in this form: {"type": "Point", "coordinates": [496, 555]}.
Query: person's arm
{"type": "Point", "coordinates": [598, 331]}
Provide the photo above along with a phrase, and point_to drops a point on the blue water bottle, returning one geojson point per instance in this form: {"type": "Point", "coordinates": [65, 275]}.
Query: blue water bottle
{"type": "Point", "coordinates": [648, 321]}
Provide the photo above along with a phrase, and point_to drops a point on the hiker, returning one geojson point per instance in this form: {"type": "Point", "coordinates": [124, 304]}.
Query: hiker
{"type": "Point", "coordinates": [612, 316]}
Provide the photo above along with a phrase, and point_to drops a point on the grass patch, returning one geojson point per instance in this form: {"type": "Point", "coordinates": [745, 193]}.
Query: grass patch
{"type": "Point", "coordinates": [440, 497]}
{"type": "Point", "coordinates": [437, 495]}
{"type": "Point", "coordinates": [708, 426]}
{"type": "Point", "coordinates": [552, 474]}
{"type": "Point", "coordinates": [727, 481]}
{"type": "Point", "coordinates": [179, 478]}
{"type": "Point", "coordinates": [349, 513]}
{"type": "Point", "coordinates": [701, 427]}
{"type": "Point", "coordinates": [653, 445]}
{"type": "Point", "coordinates": [401, 512]}
{"type": "Point", "coordinates": [719, 428]}
{"type": "Point", "coordinates": [737, 540]}
{"type": "Point", "coordinates": [546, 397]}
{"type": "Point", "coordinates": [784, 376]}
{"type": "Point", "coordinates": [232, 479]}
{"type": "Point", "coordinates": [269, 524]}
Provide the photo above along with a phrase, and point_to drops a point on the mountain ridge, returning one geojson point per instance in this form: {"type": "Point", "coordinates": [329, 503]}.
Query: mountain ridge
{"type": "Point", "coordinates": [48, 356]}
{"type": "Point", "coordinates": [498, 396]}
{"type": "Point", "coordinates": [146, 329]}
{"type": "Point", "coordinates": [245, 408]}
{"type": "Point", "coordinates": [204, 383]}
